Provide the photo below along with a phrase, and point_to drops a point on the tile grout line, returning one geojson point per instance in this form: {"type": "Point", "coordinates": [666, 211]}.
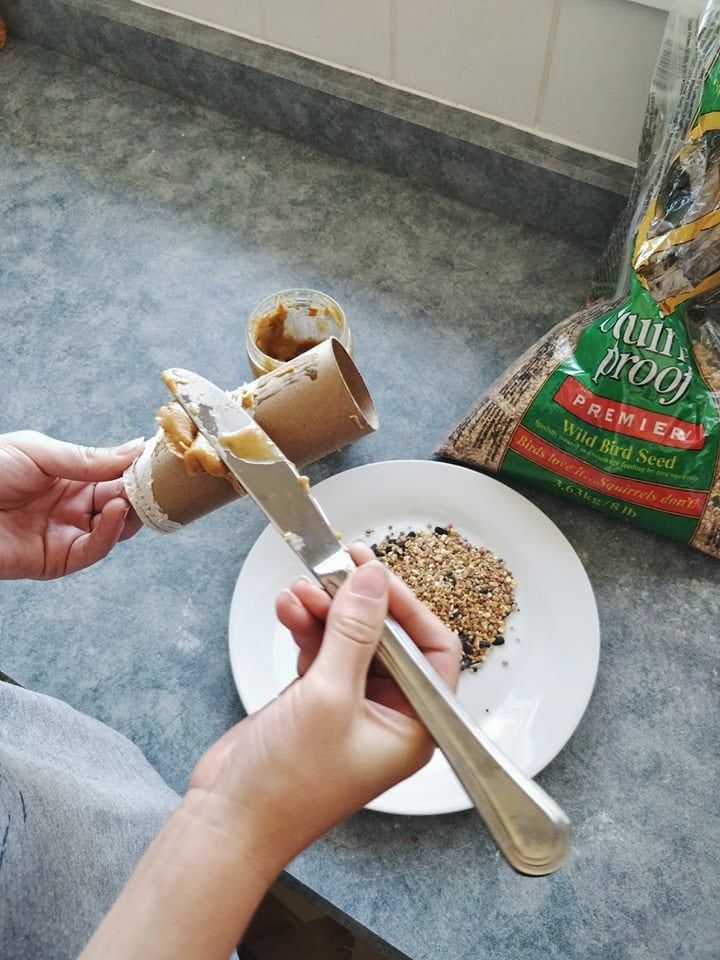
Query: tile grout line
{"type": "Point", "coordinates": [547, 63]}
{"type": "Point", "coordinates": [393, 39]}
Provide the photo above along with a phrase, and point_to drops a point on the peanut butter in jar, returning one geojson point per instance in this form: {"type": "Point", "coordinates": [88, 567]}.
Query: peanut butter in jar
{"type": "Point", "coordinates": [290, 322]}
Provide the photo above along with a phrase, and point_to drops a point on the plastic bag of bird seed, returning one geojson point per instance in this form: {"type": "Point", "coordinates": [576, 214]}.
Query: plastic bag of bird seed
{"type": "Point", "coordinates": [618, 406]}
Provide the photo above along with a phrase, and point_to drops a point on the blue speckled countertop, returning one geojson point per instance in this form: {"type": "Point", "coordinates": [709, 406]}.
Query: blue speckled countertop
{"type": "Point", "coordinates": [136, 232]}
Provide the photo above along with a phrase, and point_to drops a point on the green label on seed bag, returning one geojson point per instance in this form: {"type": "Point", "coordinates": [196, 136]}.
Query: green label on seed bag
{"type": "Point", "coordinates": [627, 423]}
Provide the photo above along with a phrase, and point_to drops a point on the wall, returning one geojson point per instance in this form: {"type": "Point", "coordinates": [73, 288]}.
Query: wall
{"type": "Point", "coordinates": [577, 70]}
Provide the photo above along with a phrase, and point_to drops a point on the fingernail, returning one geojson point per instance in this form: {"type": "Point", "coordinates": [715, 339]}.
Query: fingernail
{"type": "Point", "coordinates": [370, 580]}
{"type": "Point", "coordinates": [308, 583]}
{"type": "Point", "coordinates": [289, 595]}
{"type": "Point", "coordinates": [129, 446]}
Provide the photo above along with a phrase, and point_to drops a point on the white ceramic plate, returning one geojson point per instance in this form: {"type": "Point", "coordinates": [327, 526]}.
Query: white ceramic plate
{"type": "Point", "coordinates": [528, 696]}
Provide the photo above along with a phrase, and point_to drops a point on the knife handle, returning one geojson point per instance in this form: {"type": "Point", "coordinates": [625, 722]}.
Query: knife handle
{"type": "Point", "coordinates": [528, 826]}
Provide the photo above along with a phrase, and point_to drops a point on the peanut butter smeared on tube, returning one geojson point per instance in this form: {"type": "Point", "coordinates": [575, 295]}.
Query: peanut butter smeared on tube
{"type": "Point", "coordinates": [310, 407]}
{"type": "Point", "coordinates": [252, 444]}
{"type": "Point", "coordinates": [186, 441]}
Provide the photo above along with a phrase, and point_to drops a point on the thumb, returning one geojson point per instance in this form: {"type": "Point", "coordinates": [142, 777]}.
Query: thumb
{"type": "Point", "coordinates": [354, 624]}
{"type": "Point", "coordinates": [71, 461]}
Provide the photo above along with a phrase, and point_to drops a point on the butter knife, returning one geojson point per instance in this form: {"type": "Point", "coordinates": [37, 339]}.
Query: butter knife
{"type": "Point", "coordinates": [528, 826]}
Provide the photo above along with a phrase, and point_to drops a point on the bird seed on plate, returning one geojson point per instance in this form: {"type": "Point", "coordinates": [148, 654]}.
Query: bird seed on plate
{"type": "Point", "coordinates": [467, 587]}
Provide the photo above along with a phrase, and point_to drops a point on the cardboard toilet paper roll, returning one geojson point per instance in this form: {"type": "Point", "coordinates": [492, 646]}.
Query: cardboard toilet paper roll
{"type": "Point", "coordinates": [311, 406]}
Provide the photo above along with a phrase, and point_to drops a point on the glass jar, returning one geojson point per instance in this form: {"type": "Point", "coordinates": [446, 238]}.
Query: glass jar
{"type": "Point", "coordinates": [290, 322]}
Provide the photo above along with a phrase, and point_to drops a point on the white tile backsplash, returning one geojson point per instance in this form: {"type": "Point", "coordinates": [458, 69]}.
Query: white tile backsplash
{"type": "Point", "coordinates": [602, 64]}
{"type": "Point", "coordinates": [245, 16]}
{"type": "Point", "coordinates": [352, 33]}
{"type": "Point", "coordinates": [483, 54]}
{"type": "Point", "coordinates": [574, 69]}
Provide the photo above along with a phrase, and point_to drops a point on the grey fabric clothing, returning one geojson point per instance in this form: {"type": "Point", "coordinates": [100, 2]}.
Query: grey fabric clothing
{"type": "Point", "coordinates": [79, 804]}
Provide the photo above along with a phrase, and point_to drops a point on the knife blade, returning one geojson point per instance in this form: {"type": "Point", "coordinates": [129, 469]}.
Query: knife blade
{"type": "Point", "coordinates": [261, 468]}
{"type": "Point", "coordinates": [528, 826]}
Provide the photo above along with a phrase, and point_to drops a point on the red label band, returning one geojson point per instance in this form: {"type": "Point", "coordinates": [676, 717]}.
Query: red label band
{"type": "Point", "coordinates": [687, 503]}
{"type": "Point", "coordinates": [626, 419]}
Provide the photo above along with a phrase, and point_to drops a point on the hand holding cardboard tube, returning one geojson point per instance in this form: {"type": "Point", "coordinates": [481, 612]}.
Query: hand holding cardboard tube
{"type": "Point", "coordinates": [310, 406]}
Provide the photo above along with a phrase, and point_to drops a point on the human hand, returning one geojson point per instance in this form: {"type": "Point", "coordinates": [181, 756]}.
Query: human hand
{"type": "Point", "coordinates": [337, 737]}
{"type": "Point", "coordinates": [342, 733]}
{"type": "Point", "coordinates": [62, 506]}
